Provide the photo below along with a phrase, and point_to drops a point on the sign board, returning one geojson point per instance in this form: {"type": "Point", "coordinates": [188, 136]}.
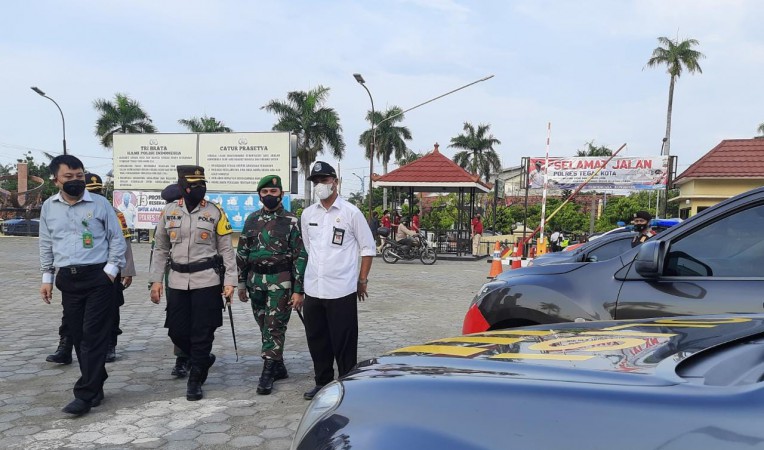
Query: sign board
{"type": "Point", "coordinates": [142, 209]}
{"type": "Point", "coordinates": [233, 162]}
{"type": "Point", "coordinates": [148, 161]}
{"type": "Point", "coordinates": [627, 173]}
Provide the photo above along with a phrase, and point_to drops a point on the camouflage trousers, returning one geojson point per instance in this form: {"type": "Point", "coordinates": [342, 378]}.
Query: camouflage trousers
{"type": "Point", "coordinates": [272, 314]}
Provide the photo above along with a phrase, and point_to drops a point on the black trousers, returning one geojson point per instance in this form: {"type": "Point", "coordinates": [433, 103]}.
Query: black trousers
{"type": "Point", "coordinates": [192, 318]}
{"type": "Point", "coordinates": [119, 298]}
{"type": "Point", "coordinates": [89, 308]}
{"type": "Point", "coordinates": [331, 326]}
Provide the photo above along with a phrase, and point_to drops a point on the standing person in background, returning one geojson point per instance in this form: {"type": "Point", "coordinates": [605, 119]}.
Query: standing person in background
{"type": "Point", "coordinates": [374, 227]}
{"type": "Point", "coordinates": [335, 233]}
{"type": "Point", "coordinates": [386, 220]}
{"type": "Point", "coordinates": [271, 260]}
{"type": "Point", "coordinates": [476, 226]}
{"type": "Point", "coordinates": [415, 221]}
{"type": "Point", "coordinates": [80, 236]}
{"type": "Point", "coordinates": [396, 222]}
{"type": "Point", "coordinates": [124, 279]}
{"type": "Point", "coordinates": [194, 235]}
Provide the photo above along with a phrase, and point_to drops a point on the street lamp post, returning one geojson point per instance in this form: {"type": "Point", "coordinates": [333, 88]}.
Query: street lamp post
{"type": "Point", "coordinates": [362, 82]}
{"type": "Point", "coordinates": [363, 181]}
{"type": "Point", "coordinates": [63, 122]}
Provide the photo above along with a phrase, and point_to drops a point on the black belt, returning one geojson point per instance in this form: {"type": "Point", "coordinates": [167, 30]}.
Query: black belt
{"type": "Point", "coordinates": [74, 270]}
{"type": "Point", "coordinates": [208, 263]}
{"type": "Point", "coordinates": [271, 269]}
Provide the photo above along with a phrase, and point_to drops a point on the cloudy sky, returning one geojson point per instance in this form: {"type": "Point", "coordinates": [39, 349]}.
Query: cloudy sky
{"type": "Point", "coordinates": [576, 64]}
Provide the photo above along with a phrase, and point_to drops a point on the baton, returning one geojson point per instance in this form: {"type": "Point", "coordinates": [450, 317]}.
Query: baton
{"type": "Point", "coordinates": [233, 331]}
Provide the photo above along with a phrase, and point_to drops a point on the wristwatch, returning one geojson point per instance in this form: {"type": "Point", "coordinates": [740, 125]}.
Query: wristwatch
{"type": "Point", "coordinates": [363, 281]}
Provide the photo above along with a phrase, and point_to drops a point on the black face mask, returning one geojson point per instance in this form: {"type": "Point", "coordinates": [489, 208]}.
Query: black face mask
{"type": "Point", "coordinates": [270, 201]}
{"type": "Point", "coordinates": [640, 227]}
{"type": "Point", "coordinates": [74, 188]}
{"type": "Point", "coordinates": [194, 197]}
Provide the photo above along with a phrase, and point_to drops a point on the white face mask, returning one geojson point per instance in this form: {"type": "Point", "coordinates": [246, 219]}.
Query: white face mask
{"type": "Point", "coordinates": [324, 191]}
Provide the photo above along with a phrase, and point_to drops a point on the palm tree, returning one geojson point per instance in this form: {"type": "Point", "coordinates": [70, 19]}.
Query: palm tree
{"type": "Point", "coordinates": [408, 158]}
{"type": "Point", "coordinates": [124, 115]}
{"type": "Point", "coordinates": [390, 138]}
{"type": "Point", "coordinates": [591, 150]}
{"type": "Point", "coordinates": [761, 129]}
{"type": "Point", "coordinates": [315, 126]}
{"type": "Point", "coordinates": [204, 124]}
{"type": "Point", "coordinates": [676, 56]}
{"type": "Point", "coordinates": [478, 153]}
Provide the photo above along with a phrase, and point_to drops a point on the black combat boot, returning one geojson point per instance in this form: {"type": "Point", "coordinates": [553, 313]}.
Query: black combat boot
{"type": "Point", "coordinates": [181, 367]}
{"type": "Point", "coordinates": [265, 386]}
{"type": "Point", "coordinates": [280, 371]}
{"type": "Point", "coordinates": [63, 354]}
{"type": "Point", "coordinates": [111, 353]}
{"type": "Point", "coordinates": [207, 369]}
{"type": "Point", "coordinates": [194, 386]}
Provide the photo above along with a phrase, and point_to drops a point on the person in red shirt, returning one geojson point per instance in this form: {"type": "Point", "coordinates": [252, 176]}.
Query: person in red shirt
{"type": "Point", "coordinates": [477, 233]}
{"type": "Point", "coordinates": [396, 222]}
{"type": "Point", "coordinates": [386, 218]}
{"type": "Point", "coordinates": [415, 221]}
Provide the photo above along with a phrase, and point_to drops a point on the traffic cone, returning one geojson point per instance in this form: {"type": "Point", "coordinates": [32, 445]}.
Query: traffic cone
{"type": "Point", "coordinates": [496, 264]}
{"type": "Point", "coordinates": [516, 263]}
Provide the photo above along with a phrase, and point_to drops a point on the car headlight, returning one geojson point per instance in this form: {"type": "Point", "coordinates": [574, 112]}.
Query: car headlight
{"type": "Point", "coordinates": [326, 401]}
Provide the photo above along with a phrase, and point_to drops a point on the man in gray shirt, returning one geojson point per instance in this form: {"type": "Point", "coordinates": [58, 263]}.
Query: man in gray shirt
{"type": "Point", "coordinates": [82, 247]}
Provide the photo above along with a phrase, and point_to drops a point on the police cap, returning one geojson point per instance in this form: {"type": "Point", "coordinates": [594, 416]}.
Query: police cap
{"type": "Point", "coordinates": [269, 181]}
{"type": "Point", "coordinates": [93, 182]}
{"type": "Point", "coordinates": [643, 215]}
{"type": "Point", "coordinates": [191, 174]}
{"type": "Point", "coordinates": [320, 169]}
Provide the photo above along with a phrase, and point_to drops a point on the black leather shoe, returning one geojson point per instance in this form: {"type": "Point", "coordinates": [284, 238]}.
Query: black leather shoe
{"type": "Point", "coordinates": [206, 370]}
{"type": "Point", "coordinates": [63, 354]}
{"type": "Point", "coordinates": [312, 393]}
{"type": "Point", "coordinates": [96, 402]}
{"type": "Point", "coordinates": [280, 372]}
{"type": "Point", "coordinates": [77, 407]}
{"type": "Point", "coordinates": [111, 354]}
{"type": "Point", "coordinates": [181, 367]}
{"type": "Point", "coordinates": [265, 385]}
{"type": "Point", "coordinates": [194, 385]}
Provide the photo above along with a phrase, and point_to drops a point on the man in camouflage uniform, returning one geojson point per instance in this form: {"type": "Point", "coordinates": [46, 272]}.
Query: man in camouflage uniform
{"type": "Point", "coordinates": [63, 354]}
{"type": "Point", "coordinates": [193, 234]}
{"type": "Point", "coordinates": [271, 260]}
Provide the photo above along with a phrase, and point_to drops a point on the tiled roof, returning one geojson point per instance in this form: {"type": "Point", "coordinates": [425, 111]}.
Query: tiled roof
{"type": "Point", "coordinates": [732, 158]}
{"type": "Point", "coordinates": [432, 168]}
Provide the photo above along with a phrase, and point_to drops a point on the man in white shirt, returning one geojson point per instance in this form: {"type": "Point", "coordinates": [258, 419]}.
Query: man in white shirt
{"type": "Point", "coordinates": [334, 233]}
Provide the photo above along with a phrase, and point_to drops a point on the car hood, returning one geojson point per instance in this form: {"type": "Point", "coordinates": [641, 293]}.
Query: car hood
{"type": "Point", "coordinates": [551, 269]}
{"type": "Point", "coordinates": [610, 352]}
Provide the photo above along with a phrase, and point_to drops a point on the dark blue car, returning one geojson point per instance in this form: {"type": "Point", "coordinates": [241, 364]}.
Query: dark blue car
{"type": "Point", "coordinates": [21, 227]}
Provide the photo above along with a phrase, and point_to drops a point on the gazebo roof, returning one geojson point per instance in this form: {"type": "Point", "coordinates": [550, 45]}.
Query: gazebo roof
{"type": "Point", "coordinates": [433, 172]}
{"type": "Point", "coordinates": [732, 158]}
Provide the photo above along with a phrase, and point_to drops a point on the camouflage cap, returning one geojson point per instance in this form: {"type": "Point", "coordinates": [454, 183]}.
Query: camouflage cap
{"type": "Point", "coordinates": [269, 181]}
{"type": "Point", "coordinates": [93, 182]}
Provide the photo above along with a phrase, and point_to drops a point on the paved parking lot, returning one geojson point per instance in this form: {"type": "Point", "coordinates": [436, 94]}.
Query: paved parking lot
{"type": "Point", "coordinates": [146, 408]}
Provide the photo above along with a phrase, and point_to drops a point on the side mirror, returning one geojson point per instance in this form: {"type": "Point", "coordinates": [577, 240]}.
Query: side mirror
{"type": "Point", "coordinates": [649, 259]}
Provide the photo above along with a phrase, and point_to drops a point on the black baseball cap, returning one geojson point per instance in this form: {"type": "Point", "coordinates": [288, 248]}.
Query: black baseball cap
{"type": "Point", "coordinates": [320, 169]}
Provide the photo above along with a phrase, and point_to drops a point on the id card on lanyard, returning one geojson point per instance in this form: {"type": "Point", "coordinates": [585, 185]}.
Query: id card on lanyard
{"type": "Point", "coordinates": [338, 236]}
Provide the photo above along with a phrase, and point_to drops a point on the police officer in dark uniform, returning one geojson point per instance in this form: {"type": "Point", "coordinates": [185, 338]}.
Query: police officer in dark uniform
{"type": "Point", "coordinates": [193, 234]}
{"type": "Point", "coordinates": [641, 222]}
{"type": "Point", "coordinates": [271, 260]}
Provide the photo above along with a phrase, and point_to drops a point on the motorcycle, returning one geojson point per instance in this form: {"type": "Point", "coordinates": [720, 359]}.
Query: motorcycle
{"type": "Point", "coordinates": [418, 247]}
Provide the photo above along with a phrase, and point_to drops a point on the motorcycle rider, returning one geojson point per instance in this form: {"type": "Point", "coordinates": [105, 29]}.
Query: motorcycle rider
{"type": "Point", "coordinates": [403, 239]}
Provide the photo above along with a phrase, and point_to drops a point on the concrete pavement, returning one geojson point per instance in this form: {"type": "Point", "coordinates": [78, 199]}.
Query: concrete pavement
{"type": "Point", "coordinates": [145, 407]}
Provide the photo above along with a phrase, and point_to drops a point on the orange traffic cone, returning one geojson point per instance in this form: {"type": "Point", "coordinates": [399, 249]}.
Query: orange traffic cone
{"type": "Point", "coordinates": [516, 262]}
{"type": "Point", "coordinates": [496, 264]}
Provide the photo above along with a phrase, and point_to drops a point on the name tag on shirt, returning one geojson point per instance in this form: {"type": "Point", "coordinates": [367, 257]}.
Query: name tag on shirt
{"type": "Point", "coordinates": [338, 236]}
{"type": "Point", "coordinates": [312, 224]}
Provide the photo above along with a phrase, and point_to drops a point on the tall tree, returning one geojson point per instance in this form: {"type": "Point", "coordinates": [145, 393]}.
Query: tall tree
{"type": "Point", "coordinates": [478, 154]}
{"type": "Point", "coordinates": [390, 140]}
{"type": "Point", "coordinates": [591, 150]}
{"type": "Point", "coordinates": [204, 124]}
{"type": "Point", "coordinates": [316, 126]}
{"type": "Point", "coordinates": [676, 56]}
{"type": "Point", "coordinates": [123, 115]}
{"type": "Point", "coordinates": [761, 129]}
{"type": "Point", "coordinates": [408, 158]}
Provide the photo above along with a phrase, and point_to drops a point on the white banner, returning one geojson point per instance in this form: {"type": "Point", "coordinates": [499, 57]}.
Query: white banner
{"type": "Point", "coordinates": [627, 173]}
{"type": "Point", "coordinates": [148, 161]}
{"type": "Point", "coordinates": [235, 162]}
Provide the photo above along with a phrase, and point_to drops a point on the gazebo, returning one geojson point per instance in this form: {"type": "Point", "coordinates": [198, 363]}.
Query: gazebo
{"type": "Point", "coordinates": [436, 173]}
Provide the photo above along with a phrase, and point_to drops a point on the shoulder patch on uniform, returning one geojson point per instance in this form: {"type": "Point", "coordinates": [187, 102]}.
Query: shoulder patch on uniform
{"type": "Point", "coordinates": [224, 226]}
